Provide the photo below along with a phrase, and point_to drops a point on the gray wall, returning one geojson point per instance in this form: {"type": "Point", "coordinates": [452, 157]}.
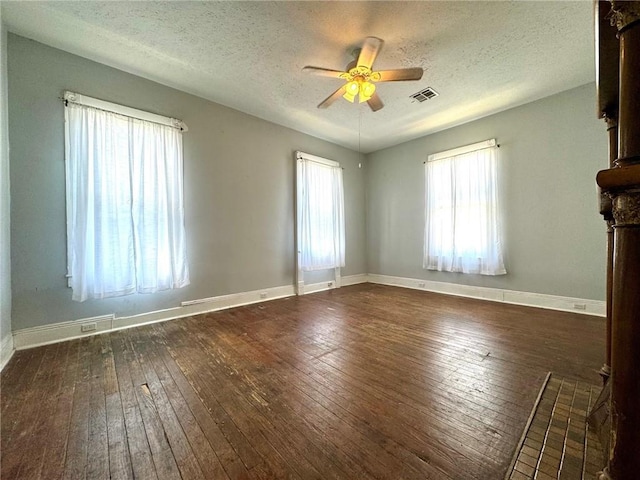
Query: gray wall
{"type": "Point", "coordinates": [239, 197]}
{"type": "Point", "coordinates": [550, 152]}
{"type": "Point", "coordinates": [5, 252]}
{"type": "Point", "coordinates": [239, 189]}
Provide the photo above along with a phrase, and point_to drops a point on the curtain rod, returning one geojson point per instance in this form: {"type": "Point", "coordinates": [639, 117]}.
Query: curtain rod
{"type": "Point", "coordinates": [171, 122]}
{"type": "Point", "coordinates": [319, 160]}
{"type": "Point", "coordinates": [489, 144]}
{"type": "Point", "coordinates": [319, 163]}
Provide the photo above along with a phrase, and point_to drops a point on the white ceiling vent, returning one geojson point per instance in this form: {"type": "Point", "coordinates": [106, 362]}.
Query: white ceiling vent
{"type": "Point", "coordinates": [425, 94]}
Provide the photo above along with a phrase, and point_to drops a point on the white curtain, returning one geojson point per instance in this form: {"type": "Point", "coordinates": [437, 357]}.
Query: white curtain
{"type": "Point", "coordinates": [125, 213]}
{"type": "Point", "coordinates": [462, 228]}
{"type": "Point", "coordinates": [320, 215]}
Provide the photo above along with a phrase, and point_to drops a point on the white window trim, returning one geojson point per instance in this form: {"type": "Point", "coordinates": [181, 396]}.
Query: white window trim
{"type": "Point", "coordinates": [79, 99]}
{"type": "Point", "coordinates": [70, 97]}
{"type": "Point", "coordinates": [73, 97]}
{"type": "Point", "coordinates": [337, 272]}
{"type": "Point", "coordinates": [452, 154]}
{"type": "Point", "coordinates": [462, 150]}
{"type": "Point", "coordinates": [313, 158]}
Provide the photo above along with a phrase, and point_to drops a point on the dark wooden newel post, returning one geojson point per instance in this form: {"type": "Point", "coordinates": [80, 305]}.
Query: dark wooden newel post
{"type": "Point", "coordinates": [608, 71]}
{"type": "Point", "coordinates": [606, 209]}
{"type": "Point", "coordinates": [622, 184]}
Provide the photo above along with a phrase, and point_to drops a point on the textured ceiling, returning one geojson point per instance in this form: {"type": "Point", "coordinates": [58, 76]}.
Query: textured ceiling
{"type": "Point", "coordinates": [481, 57]}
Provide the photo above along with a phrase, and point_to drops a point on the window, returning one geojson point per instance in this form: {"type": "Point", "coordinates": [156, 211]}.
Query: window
{"type": "Point", "coordinates": [320, 214]}
{"type": "Point", "coordinates": [125, 214]}
{"type": "Point", "coordinates": [462, 228]}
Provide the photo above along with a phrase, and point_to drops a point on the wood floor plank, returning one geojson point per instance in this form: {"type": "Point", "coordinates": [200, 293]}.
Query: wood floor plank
{"type": "Point", "coordinates": [389, 454]}
{"type": "Point", "coordinates": [76, 458]}
{"type": "Point", "coordinates": [21, 389]}
{"type": "Point", "coordinates": [13, 378]}
{"type": "Point", "coordinates": [207, 394]}
{"type": "Point", "coordinates": [139, 450]}
{"type": "Point", "coordinates": [58, 434]}
{"type": "Point", "coordinates": [258, 430]}
{"type": "Point", "coordinates": [285, 348]}
{"type": "Point", "coordinates": [310, 436]}
{"type": "Point", "coordinates": [366, 381]}
{"type": "Point", "coordinates": [118, 445]}
{"type": "Point", "coordinates": [180, 446]}
{"type": "Point", "coordinates": [98, 442]}
{"type": "Point", "coordinates": [224, 451]}
{"type": "Point", "coordinates": [164, 461]}
{"type": "Point", "coordinates": [356, 407]}
{"type": "Point", "coordinates": [35, 443]}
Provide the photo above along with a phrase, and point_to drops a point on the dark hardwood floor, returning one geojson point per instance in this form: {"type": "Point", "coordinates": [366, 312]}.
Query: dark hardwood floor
{"type": "Point", "coordinates": [362, 382]}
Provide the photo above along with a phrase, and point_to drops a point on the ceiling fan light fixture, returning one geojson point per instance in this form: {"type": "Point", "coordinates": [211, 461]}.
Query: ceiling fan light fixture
{"type": "Point", "coordinates": [367, 89]}
{"type": "Point", "coordinates": [351, 90]}
{"type": "Point", "coordinates": [347, 96]}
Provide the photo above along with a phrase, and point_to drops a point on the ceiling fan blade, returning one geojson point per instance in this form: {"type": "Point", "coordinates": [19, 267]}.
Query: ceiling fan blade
{"type": "Point", "coordinates": [369, 52]}
{"type": "Point", "coordinates": [375, 102]}
{"type": "Point", "coordinates": [333, 97]}
{"type": "Point", "coordinates": [323, 72]}
{"type": "Point", "coordinates": [400, 74]}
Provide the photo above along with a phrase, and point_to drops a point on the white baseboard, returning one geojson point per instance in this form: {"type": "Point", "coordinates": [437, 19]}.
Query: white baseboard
{"type": "Point", "coordinates": [318, 287]}
{"type": "Point", "coordinates": [205, 305]}
{"type": "Point", "coordinates": [6, 350]}
{"type": "Point", "coordinates": [355, 279]}
{"type": "Point", "coordinates": [539, 300]}
{"type": "Point", "coordinates": [330, 284]}
{"type": "Point", "coordinates": [58, 332]}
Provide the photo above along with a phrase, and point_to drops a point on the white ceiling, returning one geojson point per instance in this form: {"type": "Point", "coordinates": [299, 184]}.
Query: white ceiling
{"type": "Point", "coordinates": [482, 57]}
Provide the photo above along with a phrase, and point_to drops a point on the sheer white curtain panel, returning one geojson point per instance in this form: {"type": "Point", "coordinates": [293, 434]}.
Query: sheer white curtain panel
{"type": "Point", "coordinates": [321, 215]}
{"type": "Point", "coordinates": [125, 212]}
{"type": "Point", "coordinates": [462, 227]}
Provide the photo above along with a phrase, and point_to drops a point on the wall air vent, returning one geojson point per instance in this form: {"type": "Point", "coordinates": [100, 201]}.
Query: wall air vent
{"type": "Point", "coordinates": [425, 94]}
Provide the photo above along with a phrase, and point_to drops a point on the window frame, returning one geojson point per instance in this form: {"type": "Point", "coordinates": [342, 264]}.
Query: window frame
{"type": "Point", "coordinates": [70, 97]}
{"type": "Point", "coordinates": [492, 260]}
{"type": "Point", "coordinates": [299, 157]}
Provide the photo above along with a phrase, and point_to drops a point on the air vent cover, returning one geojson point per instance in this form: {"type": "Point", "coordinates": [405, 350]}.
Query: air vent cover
{"type": "Point", "coordinates": [425, 94]}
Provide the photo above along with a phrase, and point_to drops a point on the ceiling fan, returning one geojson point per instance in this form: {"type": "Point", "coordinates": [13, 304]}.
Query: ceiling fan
{"type": "Point", "coordinates": [360, 78]}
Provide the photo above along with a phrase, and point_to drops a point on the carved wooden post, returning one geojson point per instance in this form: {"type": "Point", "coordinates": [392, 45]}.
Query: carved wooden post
{"type": "Point", "coordinates": [605, 371]}
{"type": "Point", "coordinates": [627, 16]}
{"type": "Point", "coordinates": [624, 452]}
{"type": "Point", "coordinates": [606, 209]}
{"type": "Point", "coordinates": [622, 183]}
{"type": "Point", "coordinates": [608, 71]}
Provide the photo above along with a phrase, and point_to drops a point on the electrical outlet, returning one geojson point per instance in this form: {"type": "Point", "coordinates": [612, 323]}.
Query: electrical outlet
{"type": "Point", "coordinates": [580, 306]}
{"type": "Point", "coordinates": [263, 295]}
{"type": "Point", "coordinates": [421, 284]}
{"type": "Point", "coordinates": [88, 327]}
